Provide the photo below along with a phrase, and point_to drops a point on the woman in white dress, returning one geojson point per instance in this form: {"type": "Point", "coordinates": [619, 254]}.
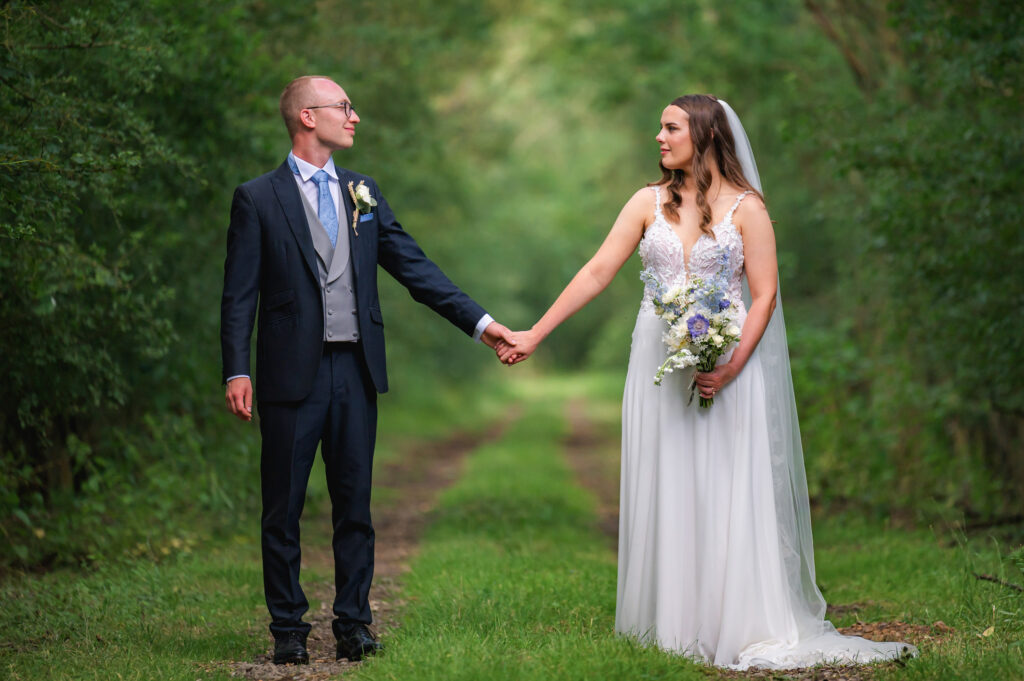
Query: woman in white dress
{"type": "Point", "coordinates": [715, 553]}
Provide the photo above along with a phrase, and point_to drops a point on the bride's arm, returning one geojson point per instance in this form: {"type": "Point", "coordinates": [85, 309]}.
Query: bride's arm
{"type": "Point", "coordinates": [592, 278]}
{"type": "Point", "coordinates": [763, 277]}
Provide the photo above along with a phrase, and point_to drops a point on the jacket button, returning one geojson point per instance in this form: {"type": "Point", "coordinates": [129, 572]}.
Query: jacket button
{"type": "Point", "coordinates": [330, 333]}
{"type": "Point", "coordinates": [330, 312]}
{"type": "Point", "coordinates": [328, 289]}
{"type": "Point", "coordinates": [353, 311]}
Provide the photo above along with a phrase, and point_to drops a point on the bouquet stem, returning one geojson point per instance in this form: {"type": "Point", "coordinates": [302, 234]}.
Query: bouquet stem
{"type": "Point", "coordinates": [703, 367]}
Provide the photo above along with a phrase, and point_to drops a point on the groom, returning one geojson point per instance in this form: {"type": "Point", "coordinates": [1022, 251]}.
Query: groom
{"type": "Point", "coordinates": [303, 248]}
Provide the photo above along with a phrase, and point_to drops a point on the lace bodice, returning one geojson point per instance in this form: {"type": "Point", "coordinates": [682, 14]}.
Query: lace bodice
{"type": "Point", "coordinates": [662, 251]}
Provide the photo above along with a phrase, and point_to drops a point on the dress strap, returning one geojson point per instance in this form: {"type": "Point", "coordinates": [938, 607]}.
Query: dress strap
{"type": "Point", "coordinates": [657, 202]}
{"type": "Point", "coordinates": [728, 216]}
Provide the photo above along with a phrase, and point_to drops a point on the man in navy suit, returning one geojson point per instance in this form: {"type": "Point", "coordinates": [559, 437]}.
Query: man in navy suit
{"type": "Point", "coordinates": [303, 248]}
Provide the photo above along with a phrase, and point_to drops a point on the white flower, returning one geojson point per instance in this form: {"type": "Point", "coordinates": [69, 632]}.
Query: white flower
{"type": "Point", "coordinates": [673, 293]}
{"type": "Point", "coordinates": [717, 340]}
{"type": "Point", "coordinates": [363, 192]}
{"type": "Point", "coordinates": [733, 330]}
{"type": "Point", "coordinates": [675, 338]}
{"type": "Point", "coordinates": [672, 344]}
{"type": "Point", "coordinates": [686, 359]}
{"type": "Point", "coordinates": [362, 197]}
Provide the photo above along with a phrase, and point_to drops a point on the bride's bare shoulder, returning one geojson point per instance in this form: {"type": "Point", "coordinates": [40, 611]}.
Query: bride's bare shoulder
{"type": "Point", "coordinates": [640, 205]}
{"type": "Point", "coordinates": [751, 216]}
{"type": "Point", "coordinates": [645, 193]}
{"type": "Point", "coordinates": [752, 205]}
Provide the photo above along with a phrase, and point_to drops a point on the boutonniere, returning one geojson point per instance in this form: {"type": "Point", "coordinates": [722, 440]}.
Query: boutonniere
{"type": "Point", "coordinates": [363, 200]}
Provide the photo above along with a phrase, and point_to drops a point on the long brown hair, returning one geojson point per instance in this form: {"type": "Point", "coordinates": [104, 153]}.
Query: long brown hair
{"type": "Point", "coordinates": [712, 143]}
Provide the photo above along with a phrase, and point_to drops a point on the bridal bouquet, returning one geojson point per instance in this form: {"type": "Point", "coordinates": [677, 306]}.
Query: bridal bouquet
{"type": "Point", "coordinates": [701, 323]}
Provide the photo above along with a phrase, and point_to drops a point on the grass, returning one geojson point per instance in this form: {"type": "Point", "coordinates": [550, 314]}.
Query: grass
{"type": "Point", "coordinates": [140, 621]}
{"type": "Point", "coordinates": [513, 580]}
{"type": "Point", "coordinates": [170, 607]}
{"type": "Point", "coordinates": [925, 578]}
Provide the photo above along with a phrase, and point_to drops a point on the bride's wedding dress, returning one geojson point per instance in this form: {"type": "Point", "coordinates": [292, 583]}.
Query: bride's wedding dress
{"type": "Point", "coordinates": [715, 559]}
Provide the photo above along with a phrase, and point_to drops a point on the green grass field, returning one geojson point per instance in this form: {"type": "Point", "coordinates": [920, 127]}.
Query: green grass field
{"type": "Point", "coordinates": [513, 580]}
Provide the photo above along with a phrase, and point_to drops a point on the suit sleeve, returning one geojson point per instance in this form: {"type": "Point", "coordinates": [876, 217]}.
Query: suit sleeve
{"type": "Point", "coordinates": [402, 258]}
{"type": "Point", "coordinates": [241, 285]}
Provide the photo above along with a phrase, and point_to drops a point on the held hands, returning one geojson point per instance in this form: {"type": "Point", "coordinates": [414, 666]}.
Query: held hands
{"type": "Point", "coordinates": [507, 345]}
{"type": "Point", "coordinates": [710, 383]}
{"type": "Point", "coordinates": [523, 345]}
{"type": "Point", "coordinates": [239, 397]}
{"type": "Point", "coordinates": [496, 333]}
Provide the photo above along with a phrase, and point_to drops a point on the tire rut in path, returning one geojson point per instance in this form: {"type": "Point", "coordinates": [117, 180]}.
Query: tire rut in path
{"type": "Point", "coordinates": [593, 456]}
{"type": "Point", "coordinates": [414, 481]}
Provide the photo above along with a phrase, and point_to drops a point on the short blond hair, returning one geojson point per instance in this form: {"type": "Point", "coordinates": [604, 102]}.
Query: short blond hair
{"type": "Point", "coordinates": [297, 95]}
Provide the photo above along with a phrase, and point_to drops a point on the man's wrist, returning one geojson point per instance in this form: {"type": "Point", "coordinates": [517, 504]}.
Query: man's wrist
{"type": "Point", "coordinates": [481, 326]}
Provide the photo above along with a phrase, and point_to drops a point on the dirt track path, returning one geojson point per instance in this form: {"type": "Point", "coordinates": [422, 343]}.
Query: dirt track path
{"type": "Point", "coordinates": [592, 451]}
{"type": "Point", "coordinates": [413, 481]}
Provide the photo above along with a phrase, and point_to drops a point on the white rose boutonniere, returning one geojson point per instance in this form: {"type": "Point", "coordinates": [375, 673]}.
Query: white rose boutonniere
{"type": "Point", "coordinates": [363, 200]}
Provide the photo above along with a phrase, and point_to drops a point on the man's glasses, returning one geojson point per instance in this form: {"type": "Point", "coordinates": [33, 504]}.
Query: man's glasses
{"type": "Point", "coordinates": [346, 107]}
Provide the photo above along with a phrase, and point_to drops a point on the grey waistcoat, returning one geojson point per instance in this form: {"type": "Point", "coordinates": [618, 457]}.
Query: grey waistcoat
{"type": "Point", "coordinates": [335, 269]}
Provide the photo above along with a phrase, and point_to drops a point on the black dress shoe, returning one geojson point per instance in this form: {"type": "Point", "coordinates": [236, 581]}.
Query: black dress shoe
{"type": "Point", "coordinates": [291, 648]}
{"type": "Point", "coordinates": [356, 642]}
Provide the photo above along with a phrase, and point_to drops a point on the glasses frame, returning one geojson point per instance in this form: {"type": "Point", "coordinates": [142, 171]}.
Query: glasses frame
{"type": "Point", "coordinates": [346, 107]}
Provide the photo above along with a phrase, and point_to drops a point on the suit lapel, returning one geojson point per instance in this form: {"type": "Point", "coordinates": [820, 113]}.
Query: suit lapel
{"type": "Point", "coordinates": [291, 203]}
{"type": "Point", "coordinates": [344, 177]}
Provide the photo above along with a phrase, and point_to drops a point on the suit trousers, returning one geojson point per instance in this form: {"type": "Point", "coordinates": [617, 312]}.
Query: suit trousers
{"type": "Point", "coordinates": [339, 415]}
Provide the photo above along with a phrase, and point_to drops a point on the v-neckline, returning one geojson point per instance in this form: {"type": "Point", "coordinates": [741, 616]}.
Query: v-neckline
{"type": "Point", "coordinates": [726, 220]}
{"type": "Point", "coordinates": [687, 257]}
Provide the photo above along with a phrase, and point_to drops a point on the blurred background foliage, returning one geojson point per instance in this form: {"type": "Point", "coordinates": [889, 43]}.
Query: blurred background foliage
{"type": "Point", "coordinates": [507, 136]}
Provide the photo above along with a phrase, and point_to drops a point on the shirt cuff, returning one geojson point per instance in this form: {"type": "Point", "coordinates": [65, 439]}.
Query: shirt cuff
{"type": "Point", "coordinates": [481, 326]}
{"type": "Point", "coordinates": [231, 378]}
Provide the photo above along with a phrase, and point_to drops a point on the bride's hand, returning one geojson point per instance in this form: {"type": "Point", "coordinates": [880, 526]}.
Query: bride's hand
{"type": "Point", "coordinates": [526, 343]}
{"type": "Point", "coordinates": [713, 381]}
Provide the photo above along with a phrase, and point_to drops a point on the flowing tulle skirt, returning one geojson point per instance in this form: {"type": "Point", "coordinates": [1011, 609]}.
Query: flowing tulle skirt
{"type": "Point", "coordinates": [700, 570]}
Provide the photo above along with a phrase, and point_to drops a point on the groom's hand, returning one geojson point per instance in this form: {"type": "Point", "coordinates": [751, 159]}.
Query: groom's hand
{"type": "Point", "coordinates": [522, 346]}
{"type": "Point", "coordinates": [239, 397]}
{"type": "Point", "coordinates": [496, 332]}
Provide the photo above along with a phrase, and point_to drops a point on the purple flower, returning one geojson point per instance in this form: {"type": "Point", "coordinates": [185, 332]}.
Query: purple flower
{"type": "Point", "coordinates": [697, 325]}
{"type": "Point", "coordinates": [723, 303]}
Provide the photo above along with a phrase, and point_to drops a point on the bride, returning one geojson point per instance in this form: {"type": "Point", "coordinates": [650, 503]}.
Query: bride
{"type": "Point", "coordinates": [715, 554]}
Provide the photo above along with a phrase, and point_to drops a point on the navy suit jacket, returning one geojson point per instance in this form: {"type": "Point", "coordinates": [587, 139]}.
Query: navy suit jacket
{"type": "Point", "coordinates": [271, 267]}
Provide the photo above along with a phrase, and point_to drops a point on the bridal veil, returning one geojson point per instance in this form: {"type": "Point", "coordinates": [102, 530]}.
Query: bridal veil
{"type": "Point", "coordinates": [792, 507]}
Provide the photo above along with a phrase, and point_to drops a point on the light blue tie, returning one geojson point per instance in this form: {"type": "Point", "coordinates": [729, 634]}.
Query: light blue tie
{"type": "Point", "coordinates": [327, 212]}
